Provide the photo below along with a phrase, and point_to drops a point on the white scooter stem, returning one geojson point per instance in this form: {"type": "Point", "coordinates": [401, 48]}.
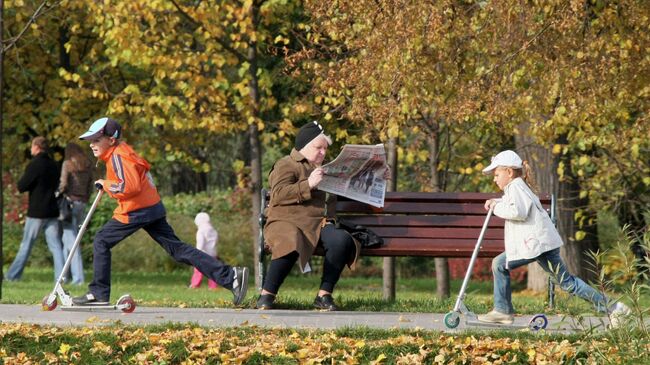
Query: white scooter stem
{"type": "Point", "coordinates": [468, 274]}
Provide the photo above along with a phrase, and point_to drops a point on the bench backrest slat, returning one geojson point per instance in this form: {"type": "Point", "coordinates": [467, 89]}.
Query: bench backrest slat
{"type": "Point", "coordinates": [422, 220]}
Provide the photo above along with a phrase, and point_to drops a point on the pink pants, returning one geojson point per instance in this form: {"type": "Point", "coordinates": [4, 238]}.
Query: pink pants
{"type": "Point", "coordinates": [197, 277]}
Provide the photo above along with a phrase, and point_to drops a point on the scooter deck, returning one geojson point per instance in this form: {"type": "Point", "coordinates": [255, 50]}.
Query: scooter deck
{"type": "Point", "coordinates": [514, 325]}
{"type": "Point", "coordinates": [92, 308]}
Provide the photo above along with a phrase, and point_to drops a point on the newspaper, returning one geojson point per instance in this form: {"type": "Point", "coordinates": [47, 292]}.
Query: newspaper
{"type": "Point", "coordinates": [357, 173]}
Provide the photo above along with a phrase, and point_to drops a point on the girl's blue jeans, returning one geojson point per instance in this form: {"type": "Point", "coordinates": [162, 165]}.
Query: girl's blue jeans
{"type": "Point", "coordinates": [33, 226]}
{"type": "Point", "coordinates": [552, 263]}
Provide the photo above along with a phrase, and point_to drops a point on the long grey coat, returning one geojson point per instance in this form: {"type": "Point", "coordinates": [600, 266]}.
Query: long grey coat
{"type": "Point", "coordinates": [296, 213]}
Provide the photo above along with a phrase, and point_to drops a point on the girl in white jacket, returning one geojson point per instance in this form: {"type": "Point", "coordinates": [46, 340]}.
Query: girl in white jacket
{"type": "Point", "coordinates": [206, 241]}
{"type": "Point", "coordinates": [529, 236]}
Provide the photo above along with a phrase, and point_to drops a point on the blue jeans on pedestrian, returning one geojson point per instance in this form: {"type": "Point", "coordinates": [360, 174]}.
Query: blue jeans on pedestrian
{"type": "Point", "coordinates": [552, 263]}
{"type": "Point", "coordinates": [33, 227]}
{"type": "Point", "coordinates": [113, 232]}
{"type": "Point", "coordinates": [70, 231]}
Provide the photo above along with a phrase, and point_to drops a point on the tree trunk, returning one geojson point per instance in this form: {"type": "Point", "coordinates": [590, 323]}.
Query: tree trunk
{"type": "Point", "coordinates": [543, 164]}
{"type": "Point", "coordinates": [389, 262]}
{"type": "Point", "coordinates": [575, 254]}
{"type": "Point", "coordinates": [441, 263]}
{"type": "Point", "coordinates": [254, 140]}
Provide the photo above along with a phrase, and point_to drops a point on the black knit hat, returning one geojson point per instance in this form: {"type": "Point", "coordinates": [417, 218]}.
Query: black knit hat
{"type": "Point", "coordinates": [307, 133]}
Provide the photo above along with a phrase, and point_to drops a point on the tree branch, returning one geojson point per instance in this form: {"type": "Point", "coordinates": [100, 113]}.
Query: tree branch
{"type": "Point", "coordinates": [37, 13]}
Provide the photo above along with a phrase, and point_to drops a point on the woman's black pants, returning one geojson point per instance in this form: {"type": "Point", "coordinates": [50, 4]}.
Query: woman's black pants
{"type": "Point", "coordinates": [339, 250]}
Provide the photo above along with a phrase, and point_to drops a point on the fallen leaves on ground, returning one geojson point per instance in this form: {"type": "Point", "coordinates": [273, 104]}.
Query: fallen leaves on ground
{"type": "Point", "coordinates": [26, 343]}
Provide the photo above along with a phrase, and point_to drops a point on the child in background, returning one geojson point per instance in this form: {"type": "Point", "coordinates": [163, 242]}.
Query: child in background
{"type": "Point", "coordinates": [206, 241]}
{"type": "Point", "coordinates": [530, 236]}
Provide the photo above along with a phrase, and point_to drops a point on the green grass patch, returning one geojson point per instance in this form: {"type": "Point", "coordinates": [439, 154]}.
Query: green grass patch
{"type": "Point", "coordinates": [169, 289]}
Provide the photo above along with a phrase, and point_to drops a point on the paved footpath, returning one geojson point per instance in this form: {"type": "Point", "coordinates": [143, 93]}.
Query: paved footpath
{"type": "Point", "coordinates": [220, 317]}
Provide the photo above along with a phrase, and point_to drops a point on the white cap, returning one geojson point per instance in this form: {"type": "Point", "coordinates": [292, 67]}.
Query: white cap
{"type": "Point", "coordinates": [505, 158]}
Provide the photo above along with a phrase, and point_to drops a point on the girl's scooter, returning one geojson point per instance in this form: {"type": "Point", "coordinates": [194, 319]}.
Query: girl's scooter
{"type": "Point", "coordinates": [452, 319]}
{"type": "Point", "coordinates": [126, 304]}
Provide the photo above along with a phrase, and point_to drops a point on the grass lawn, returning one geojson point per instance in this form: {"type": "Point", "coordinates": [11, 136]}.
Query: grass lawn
{"type": "Point", "coordinates": [169, 289]}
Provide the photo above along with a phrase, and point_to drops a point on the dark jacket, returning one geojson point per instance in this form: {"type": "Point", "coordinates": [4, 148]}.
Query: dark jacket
{"type": "Point", "coordinates": [41, 179]}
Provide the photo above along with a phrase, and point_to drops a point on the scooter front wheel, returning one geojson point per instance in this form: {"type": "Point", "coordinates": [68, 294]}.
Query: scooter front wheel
{"type": "Point", "coordinates": [452, 319]}
{"type": "Point", "coordinates": [46, 306]}
{"type": "Point", "coordinates": [538, 322]}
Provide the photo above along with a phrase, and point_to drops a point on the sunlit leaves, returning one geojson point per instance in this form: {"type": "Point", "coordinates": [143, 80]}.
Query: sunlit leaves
{"type": "Point", "coordinates": [246, 344]}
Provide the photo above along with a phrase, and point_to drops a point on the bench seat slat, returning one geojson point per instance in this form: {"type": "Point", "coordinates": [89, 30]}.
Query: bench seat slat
{"type": "Point", "coordinates": [438, 247]}
{"type": "Point", "coordinates": [432, 247]}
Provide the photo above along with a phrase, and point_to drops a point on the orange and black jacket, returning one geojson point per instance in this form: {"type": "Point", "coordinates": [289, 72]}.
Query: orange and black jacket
{"type": "Point", "coordinates": [128, 181]}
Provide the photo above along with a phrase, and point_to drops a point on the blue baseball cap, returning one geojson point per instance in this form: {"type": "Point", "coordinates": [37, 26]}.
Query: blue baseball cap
{"type": "Point", "coordinates": [103, 127]}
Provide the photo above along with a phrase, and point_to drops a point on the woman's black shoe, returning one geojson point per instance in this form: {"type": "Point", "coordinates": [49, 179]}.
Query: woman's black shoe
{"type": "Point", "coordinates": [265, 301]}
{"type": "Point", "coordinates": [326, 302]}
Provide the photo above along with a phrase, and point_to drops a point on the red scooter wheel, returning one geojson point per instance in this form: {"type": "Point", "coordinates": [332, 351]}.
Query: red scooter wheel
{"type": "Point", "coordinates": [48, 306]}
{"type": "Point", "coordinates": [127, 304]}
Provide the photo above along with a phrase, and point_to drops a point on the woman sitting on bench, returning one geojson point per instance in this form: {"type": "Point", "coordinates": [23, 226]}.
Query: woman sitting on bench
{"type": "Point", "coordinates": [297, 223]}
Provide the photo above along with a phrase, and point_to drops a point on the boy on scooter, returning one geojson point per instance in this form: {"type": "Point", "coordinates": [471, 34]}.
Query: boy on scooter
{"type": "Point", "coordinates": [129, 181]}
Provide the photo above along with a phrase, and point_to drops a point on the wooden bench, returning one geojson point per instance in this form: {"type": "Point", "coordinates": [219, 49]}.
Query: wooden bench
{"type": "Point", "coordinates": [422, 224]}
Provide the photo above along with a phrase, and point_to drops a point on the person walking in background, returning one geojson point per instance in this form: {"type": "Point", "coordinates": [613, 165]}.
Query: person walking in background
{"type": "Point", "coordinates": [530, 236]}
{"type": "Point", "coordinates": [76, 183]}
{"type": "Point", "coordinates": [40, 179]}
{"type": "Point", "coordinates": [129, 181]}
{"type": "Point", "coordinates": [206, 241]}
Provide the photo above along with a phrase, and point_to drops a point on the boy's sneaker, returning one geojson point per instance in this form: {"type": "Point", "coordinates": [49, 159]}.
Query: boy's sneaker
{"type": "Point", "coordinates": [495, 316]}
{"type": "Point", "coordinates": [239, 284]}
{"type": "Point", "coordinates": [88, 299]}
{"type": "Point", "coordinates": [618, 314]}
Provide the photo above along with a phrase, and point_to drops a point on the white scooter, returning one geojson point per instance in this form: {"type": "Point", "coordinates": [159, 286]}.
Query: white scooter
{"type": "Point", "coordinates": [452, 319]}
{"type": "Point", "coordinates": [126, 304]}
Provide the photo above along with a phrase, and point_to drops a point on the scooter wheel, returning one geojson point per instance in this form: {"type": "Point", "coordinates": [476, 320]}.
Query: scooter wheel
{"type": "Point", "coordinates": [45, 306]}
{"type": "Point", "coordinates": [452, 319]}
{"type": "Point", "coordinates": [539, 322]}
{"type": "Point", "coordinates": [127, 304]}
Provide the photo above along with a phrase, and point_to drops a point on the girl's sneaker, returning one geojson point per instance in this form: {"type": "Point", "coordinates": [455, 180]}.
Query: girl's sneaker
{"type": "Point", "coordinates": [495, 316]}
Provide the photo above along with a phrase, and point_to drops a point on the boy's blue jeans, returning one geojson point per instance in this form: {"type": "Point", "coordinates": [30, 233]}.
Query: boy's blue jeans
{"type": "Point", "coordinates": [33, 227]}
{"type": "Point", "coordinates": [552, 263]}
{"type": "Point", "coordinates": [113, 232]}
